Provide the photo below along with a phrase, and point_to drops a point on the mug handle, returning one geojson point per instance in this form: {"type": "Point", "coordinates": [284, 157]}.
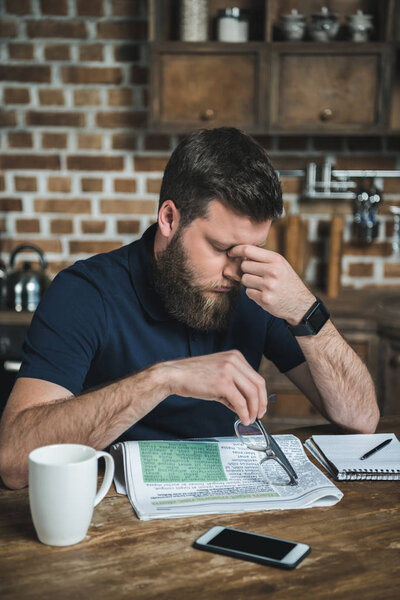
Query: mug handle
{"type": "Point", "coordinates": [108, 476]}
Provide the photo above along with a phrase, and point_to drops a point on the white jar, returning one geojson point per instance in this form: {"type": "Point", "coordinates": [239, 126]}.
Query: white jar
{"type": "Point", "coordinates": [233, 25]}
{"type": "Point", "coordinates": [194, 20]}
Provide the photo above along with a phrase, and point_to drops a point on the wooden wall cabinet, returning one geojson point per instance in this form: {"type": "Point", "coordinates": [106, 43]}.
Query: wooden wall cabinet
{"type": "Point", "coordinates": [268, 85]}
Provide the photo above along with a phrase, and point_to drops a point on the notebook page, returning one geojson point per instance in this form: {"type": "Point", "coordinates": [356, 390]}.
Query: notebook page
{"type": "Point", "coordinates": [345, 451]}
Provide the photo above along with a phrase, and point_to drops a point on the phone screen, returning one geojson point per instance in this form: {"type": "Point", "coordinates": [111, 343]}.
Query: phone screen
{"type": "Point", "coordinates": [252, 544]}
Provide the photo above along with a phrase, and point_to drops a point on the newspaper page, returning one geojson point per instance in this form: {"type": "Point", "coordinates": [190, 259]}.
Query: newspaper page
{"type": "Point", "coordinates": [183, 478]}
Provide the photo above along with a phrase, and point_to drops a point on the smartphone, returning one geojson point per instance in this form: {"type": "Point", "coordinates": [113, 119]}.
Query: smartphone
{"type": "Point", "coordinates": [253, 546]}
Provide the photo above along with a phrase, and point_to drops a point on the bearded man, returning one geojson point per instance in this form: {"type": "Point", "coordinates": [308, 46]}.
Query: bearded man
{"type": "Point", "coordinates": [162, 338]}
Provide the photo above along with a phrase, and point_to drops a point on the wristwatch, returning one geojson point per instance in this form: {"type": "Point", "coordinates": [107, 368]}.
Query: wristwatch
{"type": "Point", "coordinates": [312, 322]}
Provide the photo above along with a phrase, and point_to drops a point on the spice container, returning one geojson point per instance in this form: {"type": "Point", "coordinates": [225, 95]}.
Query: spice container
{"type": "Point", "coordinates": [324, 26]}
{"type": "Point", "coordinates": [233, 25]}
{"type": "Point", "coordinates": [194, 20]}
{"type": "Point", "coordinates": [359, 26]}
{"type": "Point", "coordinates": [293, 25]}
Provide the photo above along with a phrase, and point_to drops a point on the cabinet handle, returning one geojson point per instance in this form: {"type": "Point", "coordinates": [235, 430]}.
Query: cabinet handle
{"type": "Point", "coordinates": [326, 114]}
{"type": "Point", "coordinates": [395, 361]}
{"type": "Point", "coordinates": [207, 115]}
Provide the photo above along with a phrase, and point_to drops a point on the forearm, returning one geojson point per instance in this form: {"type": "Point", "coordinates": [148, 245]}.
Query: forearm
{"type": "Point", "coordinates": [346, 390]}
{"type": "Point", "coordinates": [95, 419]}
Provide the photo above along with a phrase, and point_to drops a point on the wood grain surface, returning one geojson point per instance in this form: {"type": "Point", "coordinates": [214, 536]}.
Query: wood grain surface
{"type": "Point", "coordinates": [355, 551]}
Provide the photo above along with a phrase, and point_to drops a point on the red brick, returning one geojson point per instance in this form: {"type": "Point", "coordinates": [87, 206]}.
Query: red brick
{"type": "Point", "coordinates": [91, 52]}
{"type": "Point", "coordinates": [124, 141]}
{"type": "Point", "coordinates": [122, 30]}
{"type": "Point", "coordinates": [94, 8]}
{"type": "Point", "coordinates": [7, 118]}
{"type": "Point", "coordinates": [55, 119]}
{"type": "Point", "coordinates": [120, 97]}
{"type": "Point", "coordinates": [29, 161]}
{"type": "Point", "coordinates": [93, 246]}
{"type": "Point", "coordinates": [46, 245]}
{"type": "Point", "coordinates": [27, 226]}
{"type": "Point", "coordinates": [292, 185]}
{"type": "Point", "coordinates": [139, 75]}
{"type": "Point", "coordinates": [153, 186]}
{"type": "Point", "coordinates": [61, 226]}
{"type": "Point", "coordinates": [3, 228]}
{"type": "Point", "coordinates": [16, 96]}
{"type": "Point", "coordinates": [126, 8]}
{"type": "Point", "coordinates": [157, 142]}
{"type": "Point", "coordinates": [92, 141]}
{"type": "Point", "coordinates": [54, 7]}
{"type": "Point", "coordinates": [20, 139]}
{"type": "Point", "coordinates": [54, 140]}
{"type": "Point", "coordinates": [75, 206]}
{"type": "Point", "coordinates": [88, 97]}
{"type": "Point", "coordinates": [149, 163]}
{"type": "Point", "coordinates": [49, 97]}
{"type": "Point", "coordinates": [99, 75]}
{"type": "Point", "coordinates": [20, 51]}
{"type": "Point", "coordinates": [2, 183]}
{"type": "Point", "coordinates": [121, 119]}
{"type": "Point", "coordinates": [131, 207]}
{"type": "Point", "coordinates": [10, 205]}
{"type": "Point", "coordinates": [33, 73]}
{"type": "Point", "coordinates": [375, 249]}
{"type": "Point", "coordinates": [59, 184]}
{"type": "Point", "coordinates": [361, 269]}
{"type": "Point", "coordinates": [8, 28]}
{"type": "Point", "coordinates": [125, 186]}
{"type": "Point", "coordinates": [128, 227]}
{"type": "Point", "coordinates": [89, 184]}
{"type": "Point", "coordinates": [93, 226]}
{"type": "Point", "coordinates": [392, 269]}
{"type": "Point", "coordinates": [392, 185]}
{"type": "Point", "coordinates": [95, 163]}
{"type": "Point", "coordinates": [56, 29]}
{"type": "Point", "coordinates": [57, 52]}
{"type": "Point", "coordinates": [18, 7]}
{"type": "Point", "coordinates": [25, 184]}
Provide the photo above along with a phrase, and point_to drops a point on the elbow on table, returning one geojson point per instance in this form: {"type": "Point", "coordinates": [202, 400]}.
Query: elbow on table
{"type": "Point", "coordinates": [9, 472]}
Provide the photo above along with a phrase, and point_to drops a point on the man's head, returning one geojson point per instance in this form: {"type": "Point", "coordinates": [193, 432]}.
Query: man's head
{"type": "Point", "coordinates": [219, 190]}
{"type": "Point", "coordinates": [226, 164]}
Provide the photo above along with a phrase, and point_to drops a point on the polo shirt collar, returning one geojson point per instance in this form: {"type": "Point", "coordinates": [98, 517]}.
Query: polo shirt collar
{"type": "Point", "coordinates": [141, 273]}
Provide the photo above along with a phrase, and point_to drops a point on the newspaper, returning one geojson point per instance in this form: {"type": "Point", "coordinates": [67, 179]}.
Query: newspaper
{"type": "Point", "coordinates": [165, 479]}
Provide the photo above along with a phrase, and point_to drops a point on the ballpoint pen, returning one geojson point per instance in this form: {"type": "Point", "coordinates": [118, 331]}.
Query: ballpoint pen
{"type": "Point", "coordinates": [376, 449]}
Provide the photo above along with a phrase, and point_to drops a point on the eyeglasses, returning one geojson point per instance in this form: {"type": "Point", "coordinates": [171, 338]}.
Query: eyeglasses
{"type": "Point", "coordinates": [274, 466]}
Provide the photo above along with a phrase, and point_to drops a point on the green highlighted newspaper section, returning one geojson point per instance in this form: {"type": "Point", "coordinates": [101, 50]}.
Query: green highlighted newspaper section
{"type": "Point", "coordinates": [168, 462]}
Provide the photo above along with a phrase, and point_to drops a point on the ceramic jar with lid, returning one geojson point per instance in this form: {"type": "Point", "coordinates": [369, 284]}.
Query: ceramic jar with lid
{"type": "Point", "coordinates": [293, 25]}
{"type": "Point", "coordinates": [324, 26]}
{"type": "Point", "coordinates": [233, 25]}
{"type": "Point", "coordinates": [359, 26]}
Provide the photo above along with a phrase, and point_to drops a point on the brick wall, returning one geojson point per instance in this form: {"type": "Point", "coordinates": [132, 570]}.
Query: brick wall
{"type": "Point", "coordinates": [80, 170]}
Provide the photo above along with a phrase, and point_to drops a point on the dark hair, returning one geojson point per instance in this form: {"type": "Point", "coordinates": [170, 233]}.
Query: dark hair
{"type": "Point", "coordinates": [226, 164]}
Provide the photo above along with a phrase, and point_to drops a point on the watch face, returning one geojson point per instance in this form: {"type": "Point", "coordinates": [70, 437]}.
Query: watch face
{"type": "Point", "coordinates": [318, 318]}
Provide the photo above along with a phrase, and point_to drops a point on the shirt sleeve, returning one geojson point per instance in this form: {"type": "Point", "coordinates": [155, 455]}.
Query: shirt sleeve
{"type": "Point", "coordinates": [281, 347]}
{"type": "Point", "coordinates": [67, 330]}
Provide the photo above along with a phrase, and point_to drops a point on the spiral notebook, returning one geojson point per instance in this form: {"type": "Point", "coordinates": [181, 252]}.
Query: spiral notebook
{"type": "Point", "coordinates": [341, 455]}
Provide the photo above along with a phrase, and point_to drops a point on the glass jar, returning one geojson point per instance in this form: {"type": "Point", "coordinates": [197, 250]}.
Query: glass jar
{"type": "Point", "coordinates": [233, 25]}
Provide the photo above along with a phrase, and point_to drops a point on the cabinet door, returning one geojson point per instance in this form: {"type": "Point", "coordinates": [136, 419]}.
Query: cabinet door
{"type": "Point", "coordinates": [197, 87]}
{"type": "Point", "coordinates": [317, 90]}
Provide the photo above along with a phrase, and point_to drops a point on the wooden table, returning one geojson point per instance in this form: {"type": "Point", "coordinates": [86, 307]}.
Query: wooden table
{"type": "Point", "coordinates": [355, 551]}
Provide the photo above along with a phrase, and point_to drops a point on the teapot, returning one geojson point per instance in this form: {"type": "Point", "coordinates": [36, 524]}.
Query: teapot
{"type": "Point", "coordinates": [25, 287]}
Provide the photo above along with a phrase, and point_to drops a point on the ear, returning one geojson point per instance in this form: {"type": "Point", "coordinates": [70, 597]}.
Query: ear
{"type": "Point", "coordinates": [168, 219]}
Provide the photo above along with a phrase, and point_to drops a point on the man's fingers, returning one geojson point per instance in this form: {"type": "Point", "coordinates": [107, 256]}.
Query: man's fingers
{"type": "Point", "coordinates": [252, 252]}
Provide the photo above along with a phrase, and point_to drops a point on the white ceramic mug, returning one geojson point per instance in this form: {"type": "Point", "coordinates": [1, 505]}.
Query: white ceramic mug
{"type": "Point", "coordinates": [62, 491]}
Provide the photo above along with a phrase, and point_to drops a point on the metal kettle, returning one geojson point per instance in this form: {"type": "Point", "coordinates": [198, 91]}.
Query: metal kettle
{"type": "Point", "coordinates": [26, 286]}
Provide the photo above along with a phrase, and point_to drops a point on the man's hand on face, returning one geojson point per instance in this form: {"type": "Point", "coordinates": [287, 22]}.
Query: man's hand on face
{"type": "Point", "coordinates": [272, 283]}
{"type": "Point", "coordinates": [225, 377]}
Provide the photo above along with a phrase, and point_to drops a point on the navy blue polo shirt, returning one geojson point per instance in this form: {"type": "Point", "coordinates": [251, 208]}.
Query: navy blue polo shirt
{"type": "Point", "coordinates": [102, 319]}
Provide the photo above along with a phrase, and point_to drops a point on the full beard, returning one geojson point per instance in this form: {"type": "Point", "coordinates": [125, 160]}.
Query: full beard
{"type": "Point", "coordinates": [175, 282]}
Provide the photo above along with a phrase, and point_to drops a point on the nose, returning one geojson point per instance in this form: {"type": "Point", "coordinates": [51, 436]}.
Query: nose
{"type": "Point", "coordinates": [232, 269]}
